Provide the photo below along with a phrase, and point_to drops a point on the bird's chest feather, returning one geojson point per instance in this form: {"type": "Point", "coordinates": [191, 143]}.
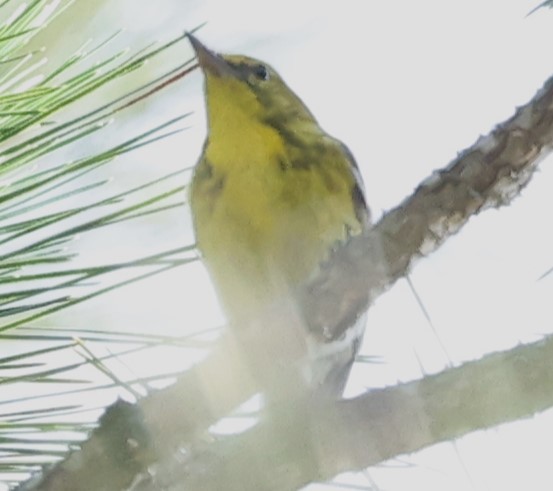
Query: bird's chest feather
{"type": "Point", "coordinates": [271, 218]}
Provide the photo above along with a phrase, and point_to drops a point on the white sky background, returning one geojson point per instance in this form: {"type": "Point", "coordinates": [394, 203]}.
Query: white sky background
{"type": "Point", "coordinates": [406, 85]}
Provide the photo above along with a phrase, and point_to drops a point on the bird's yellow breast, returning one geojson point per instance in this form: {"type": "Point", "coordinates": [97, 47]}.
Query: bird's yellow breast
{"type": "Point", "coordinates": [263, 225]}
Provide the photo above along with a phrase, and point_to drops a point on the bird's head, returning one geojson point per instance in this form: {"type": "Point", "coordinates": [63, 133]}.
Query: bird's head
{"type": "Point", "coordinates": [242, 86]}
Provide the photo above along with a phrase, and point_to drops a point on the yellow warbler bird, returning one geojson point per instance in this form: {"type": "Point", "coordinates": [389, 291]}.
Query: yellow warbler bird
{"type": "Point", "coordinates": [271, 196]}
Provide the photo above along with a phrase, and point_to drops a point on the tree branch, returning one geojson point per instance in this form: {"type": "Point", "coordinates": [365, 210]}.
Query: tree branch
{"type": "Point", "coordinates": [381, 424]}
{"type": "Point", "coordinates": [489, 174]}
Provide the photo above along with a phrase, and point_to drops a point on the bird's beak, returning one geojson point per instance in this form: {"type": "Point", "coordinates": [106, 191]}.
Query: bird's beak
{"type": "Point", "coordinates": [209, 61]}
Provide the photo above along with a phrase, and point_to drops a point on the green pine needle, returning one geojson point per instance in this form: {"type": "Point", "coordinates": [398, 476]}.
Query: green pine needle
{"type": "Point", "coordinates": [44, 206]}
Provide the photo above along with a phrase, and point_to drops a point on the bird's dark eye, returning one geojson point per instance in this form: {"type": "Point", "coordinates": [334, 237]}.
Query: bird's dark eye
{"type": "Point", "coordinates": [261, 72]}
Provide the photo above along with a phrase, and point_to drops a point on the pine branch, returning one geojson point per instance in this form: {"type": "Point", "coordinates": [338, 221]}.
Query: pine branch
{"type": "Point", "coordinates": [46, 201]}
{"type": "Point", "coordinates": [379, 425]}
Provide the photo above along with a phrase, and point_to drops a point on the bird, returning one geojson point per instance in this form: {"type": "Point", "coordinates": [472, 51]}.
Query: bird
{"type": "Point", "coordinates": [272, 195]}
